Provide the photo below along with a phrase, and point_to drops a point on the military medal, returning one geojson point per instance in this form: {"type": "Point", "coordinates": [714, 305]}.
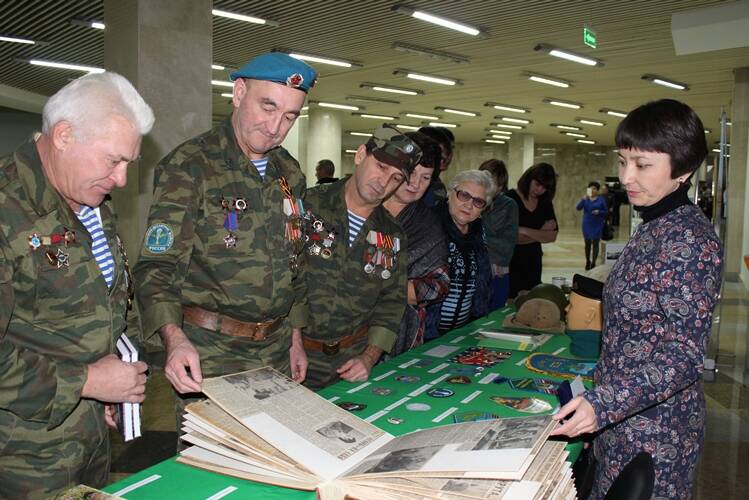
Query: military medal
{"type": "Point", "coordinates": [63, 258]}
{"type": "Point", "coordinates": [240, 204]}
{"type": "Point", "coordinates": [35, 241]}
{"type": "Point", "coordinates": [381, 253]}
{"type": "Point", "coordinates": [293, 209]}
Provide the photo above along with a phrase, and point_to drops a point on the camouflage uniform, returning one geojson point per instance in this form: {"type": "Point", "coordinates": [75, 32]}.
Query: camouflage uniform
{"type": "Point", "coordinates": [54, 321]}
{"type": "Point", "coordinates": [342, 296]}
{"type": "Point", "coordinates": [252, 282]}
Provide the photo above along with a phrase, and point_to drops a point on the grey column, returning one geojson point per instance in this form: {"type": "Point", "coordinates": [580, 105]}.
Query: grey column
{"type": "Point", "coordinates": [164, 47]}
{"type": "Point", "coordinates": [323, 140]}
{"type": "Point", "coordinates": [520, 156]}
{"type": "Point", "coordinates": [737, 228]}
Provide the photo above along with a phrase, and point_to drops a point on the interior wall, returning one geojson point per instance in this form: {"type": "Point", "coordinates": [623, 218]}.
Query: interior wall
{"type": "Point", "coordinates": [16, 127]}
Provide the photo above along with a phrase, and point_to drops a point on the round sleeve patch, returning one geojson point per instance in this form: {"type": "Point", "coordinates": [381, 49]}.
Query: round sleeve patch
{"type": "Point", "coordinates": [159, 238]}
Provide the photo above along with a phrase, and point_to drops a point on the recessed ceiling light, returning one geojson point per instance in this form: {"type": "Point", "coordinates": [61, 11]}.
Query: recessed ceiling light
{"type": "Point", "coordinates": [361, 98]}
{"type": "Point", "coordinates": [456, 111]}
{"type": "Point", "coordinates": [225, 94]}
{"type": "Point", "coordinates": [440, 21]}
{"type": "Point", "coordinates": [374, 117]}
{"type": "Point", "coordinates": [361, 134]}
{"type": "Point", "coordinates": [350, 151]}
{"type": "Point", "coordinates": [498, 136]}
{"type": "Point", "coordinates": [421, 116]}
{"type": "Point", "coordinates": [505, 107]}
{"type": "Point", "coordinates": [13, 39]}
{"type": "Point", "coordinates": [595, 123]}
{"type": "Point", "coordinates": [98, 25]}
{"type": "Point", "coordinates": [390, 89]}
{"type": "Point", "coordinates": [304, 108]}
{"type": "Point", "coordinates": [563, 103]}
{"type": "Point", "coordinates": [513, 120]}
{"type": "Point", "coordinates": [665, 82]}
{"type": "Point", "coordinates": [242, 17]}
{"type": "Point", "coordinates": [74, 67]}
{"type": "Point", "coordinates": [564, 127]}
{"type": "Point", "coordinates": [494, 141]}
{"type": "Point", "coordinates": [507, 125]}
{"type": "Point", "coordinates": [585, 141]}
{"type": "Point", "coordinates": [612, 112]}
{"type": "Point", "coordinates": [708, 131]}
{"type": "Point", "coordinates": [217, 67]}
{"type": "Point", "coordinates": [568, 55]}
{"type": "Point", "coordinates": [434, 54]}
{"type": "Point", "coordinates": [506, 133]}
{"type": "Point", "coordinates": [222, 83]}
{"type": "Point", "coordinates": [406, 127]}
{"type": "Point", "coordinates": [574, 134]}
{"type": "Point", "coordinates": [337, 106]}
{"type": "Point", "coordinates": [320, 59]}
{"type": "Point", "coordinates": [442, 80]}
{"type": "Point", "coordinates": [88, 23]}
{"type": "Point", "coordinates": [443, 124]}
{"type": "Point", "coordinates": [548, 80]}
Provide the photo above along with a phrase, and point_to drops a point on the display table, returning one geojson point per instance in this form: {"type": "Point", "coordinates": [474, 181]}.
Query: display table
{"type": "Point", "coordinates": [387, 401]}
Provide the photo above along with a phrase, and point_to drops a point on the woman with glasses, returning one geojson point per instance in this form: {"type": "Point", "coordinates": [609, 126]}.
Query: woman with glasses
{"type": "Point", "coordinates": [469, 193]}
{"type": "Point", "coordinates": [537, 224]}
{"type": "Point", "coordinates": [658, 308]}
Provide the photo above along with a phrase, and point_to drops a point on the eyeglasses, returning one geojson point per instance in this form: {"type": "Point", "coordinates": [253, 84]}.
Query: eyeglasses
{"type": "Point", "coordinates": [466, 196]}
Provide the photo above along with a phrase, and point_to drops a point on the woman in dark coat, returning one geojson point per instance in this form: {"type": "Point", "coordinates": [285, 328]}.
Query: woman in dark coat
{"type": "Point", "coordinates": [658, 307]}
{"type": "Point", "coordinates": [537, 224]}
{"type": "Point", "coordinates": [469, 193]}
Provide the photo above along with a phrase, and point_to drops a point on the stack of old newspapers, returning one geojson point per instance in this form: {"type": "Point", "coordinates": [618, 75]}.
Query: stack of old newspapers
{"type": "Point", "coordinates": [261, 425]}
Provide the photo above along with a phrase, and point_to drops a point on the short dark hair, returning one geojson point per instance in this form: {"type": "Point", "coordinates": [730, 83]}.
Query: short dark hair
{"type": "Point", "coordinates": [595, 184]}
{"type": "Point", "coordinates": [544, 174]}
{"type": "Point", "coordinates": [431, 156]}
{"type": "Point", "coordinates": [498, 169]}
{"type": "Point", "coordinates": [665, 126]}
{"type": "Point", "coordinates": [327, 167]}
{"type": "Point", "coordinates": [440, 134]}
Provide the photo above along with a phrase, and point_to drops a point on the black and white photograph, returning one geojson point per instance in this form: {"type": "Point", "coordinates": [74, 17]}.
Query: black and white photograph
{"type": "Point", "coordinates": [340, 431]}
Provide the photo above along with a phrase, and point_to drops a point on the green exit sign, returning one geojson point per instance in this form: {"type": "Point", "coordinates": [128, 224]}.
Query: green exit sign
{"type": "Point", "coordinates": [589, 37]}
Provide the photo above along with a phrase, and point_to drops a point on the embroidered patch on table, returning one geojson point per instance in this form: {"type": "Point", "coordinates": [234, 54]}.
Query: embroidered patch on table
{"type": "Point", "coordinates": [480, 356]}
{"type": "Point", "coordinates": [525, 405]}
{"type": "Point", "coordinates": [558, 366]}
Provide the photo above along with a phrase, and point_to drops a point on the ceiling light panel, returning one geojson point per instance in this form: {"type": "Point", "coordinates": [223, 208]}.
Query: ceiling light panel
{"type": "Point", "coordinates": [440, 21]}
{"type": "Point", "coordinates": [547, 80]}
{"type": "Point", "coordinates": [567, 55]}
{"type": "Point", "coordinates": [454, 111]}
{"type": "Point", "coordinates": [421, 116]}
{"type": "Point", "coordinates": [431, 53]}
{"type": "Point", "coordinates": [390, 89]}
{"type": "Point", "coordinates": [612, 112]}
{"type": "Point", "coordinates": [423, 77]}
{"type": "Point", "coordinates": [242, 17]}
{"type": "Point", "coordinates": [562, 103]}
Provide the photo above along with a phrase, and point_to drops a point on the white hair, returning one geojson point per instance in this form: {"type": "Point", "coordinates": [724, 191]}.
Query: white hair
{"type": "Point", "coordinates": [478, 177]}
{"type": "Point", "coordinates": [87, 102]}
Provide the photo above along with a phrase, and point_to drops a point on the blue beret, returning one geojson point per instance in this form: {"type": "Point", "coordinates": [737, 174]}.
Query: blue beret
{"type": "Point", "coordinates": [279, 68]}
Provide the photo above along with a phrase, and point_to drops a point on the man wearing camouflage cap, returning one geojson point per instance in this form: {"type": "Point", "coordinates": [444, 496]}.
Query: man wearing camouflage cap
{"type": "Point", "coordinates": [218, 271]}
{"type": "Point", "coordinates": [356, 262]}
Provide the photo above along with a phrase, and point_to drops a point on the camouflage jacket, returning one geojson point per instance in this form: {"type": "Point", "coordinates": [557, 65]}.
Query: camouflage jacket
{"type": "Point", "coordinates": [54, 321]}
{"type": "Point", "coordinates": [341, 295]}
{"type": "Point", "coordinates": [188, 262]}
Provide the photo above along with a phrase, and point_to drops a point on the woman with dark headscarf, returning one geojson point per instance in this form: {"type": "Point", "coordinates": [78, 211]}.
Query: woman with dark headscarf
{"type": "Point", "coordinates": [537, 224]}
{"type": "Point", "coordinates": [658, 307]}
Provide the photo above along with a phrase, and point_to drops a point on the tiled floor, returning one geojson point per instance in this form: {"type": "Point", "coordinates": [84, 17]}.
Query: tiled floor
{"type": "Point", "coordinates": [725, 461]}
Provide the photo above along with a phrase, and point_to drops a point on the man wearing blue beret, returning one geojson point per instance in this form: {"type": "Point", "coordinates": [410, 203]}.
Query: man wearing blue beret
{"type": "Point", "coordinates": [218, 273]}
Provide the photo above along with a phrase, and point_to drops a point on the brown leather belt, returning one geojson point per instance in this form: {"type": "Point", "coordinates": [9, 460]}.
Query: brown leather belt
{"type": "Point", "coordinates": [229, 326]}
{"type": "Point", "coordinates": [332, 348]}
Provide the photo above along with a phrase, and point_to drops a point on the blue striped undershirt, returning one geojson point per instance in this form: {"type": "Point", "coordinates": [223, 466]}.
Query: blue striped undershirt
{"type": "Point", "coordinates": [99, 247]}
{"type": "Point", "coordinates": [355, 224]}
{"type": "Point", "coordinates": [261, 165]}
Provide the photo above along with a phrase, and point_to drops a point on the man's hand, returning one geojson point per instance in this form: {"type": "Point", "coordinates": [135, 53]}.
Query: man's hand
{"type": "Point", "coordinates": [584, 420]}
{"type": "Point", "coordinates": [111, 380]}
{"type": "Point", "coordinates": [297, 356]}
{"type": "Point", "coordinates": [110, 416]}
{"type": "Point", "coordinates": [357, 368]}
{"type": "Point", "coordinates": [181, 354]}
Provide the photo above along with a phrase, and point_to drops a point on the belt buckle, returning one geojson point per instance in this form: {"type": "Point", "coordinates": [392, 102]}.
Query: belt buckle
{"type": "Point", "coordinates": [331, 349]}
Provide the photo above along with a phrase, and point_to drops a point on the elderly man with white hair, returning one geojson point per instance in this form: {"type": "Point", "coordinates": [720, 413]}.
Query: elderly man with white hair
{"type": "Point", "coordinates": [65, 289]}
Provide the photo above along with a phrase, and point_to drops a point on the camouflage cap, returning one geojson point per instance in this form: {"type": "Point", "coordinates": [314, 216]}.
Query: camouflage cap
{"type": "Point", "coordinates": [391, 146]}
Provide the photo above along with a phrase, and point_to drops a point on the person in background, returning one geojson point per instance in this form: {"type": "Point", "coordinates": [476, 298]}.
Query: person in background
{"type": "Point", "coordinates": [428, 272]}
{"type": "Point", "coordinates": [324, 171]}
{"type": "Point", "coordinates": [468, 257]}
{"type": "Point", "coordinates": [608, 197]}
{"type": "Point", "coordinates": [437, 192]}
{"type": "Point", "coordinates": [595, 211]}
{"type": "Point", "coordinates": [501, 228]}
{"type": "Point", "coordinates": [537, 224]}
{"type": "Point", "coordinates": [66, 290]}
{"type": "Point", "coordinates": [658, 306]}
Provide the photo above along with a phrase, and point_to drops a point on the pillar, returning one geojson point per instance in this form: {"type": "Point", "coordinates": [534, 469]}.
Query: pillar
{"type": "Point", "coordinates": [737, 230]}
{"type": "Point", "coordinates": [520, 156]}
{"type": "Point", "coordinates": [323, 140]}
{"type": "Point", "coordinates": [164, 47]}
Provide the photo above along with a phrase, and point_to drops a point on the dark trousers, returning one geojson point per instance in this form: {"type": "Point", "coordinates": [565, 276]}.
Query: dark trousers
{"type": "Point", "coordinates": [590, 262]}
